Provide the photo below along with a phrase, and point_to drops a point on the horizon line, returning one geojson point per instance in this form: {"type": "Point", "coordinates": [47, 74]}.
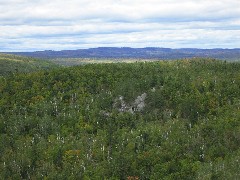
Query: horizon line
{"type": "Point", "coordinates": [119, 47]}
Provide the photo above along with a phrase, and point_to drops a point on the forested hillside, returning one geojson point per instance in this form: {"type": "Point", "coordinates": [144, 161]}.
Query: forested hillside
{"type": "Point", "coordinates": [15, 64]}
{"type": "Point", "coordinates": [155, 120]}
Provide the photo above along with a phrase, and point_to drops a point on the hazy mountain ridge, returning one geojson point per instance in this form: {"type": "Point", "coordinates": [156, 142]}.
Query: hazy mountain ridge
{"type": "Point", "coordinates": [145, 53]}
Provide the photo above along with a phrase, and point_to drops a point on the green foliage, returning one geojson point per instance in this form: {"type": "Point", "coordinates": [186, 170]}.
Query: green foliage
{"type": "Point", "coordinates": [10, 64]}
{"type": "Point", "coordinates": [85, 122]}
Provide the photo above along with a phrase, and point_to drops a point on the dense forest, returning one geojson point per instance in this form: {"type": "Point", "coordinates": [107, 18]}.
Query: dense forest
{"type": "Point", "coordinates": [14, 64]}
{"type": "Point", "coordinates": [156, 120]}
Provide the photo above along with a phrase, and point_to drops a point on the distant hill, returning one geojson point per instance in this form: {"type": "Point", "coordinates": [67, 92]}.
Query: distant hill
{"type": "Point", "coordinates": [14, 64]}
{"type": "Point", "coordinates": [143, 53]}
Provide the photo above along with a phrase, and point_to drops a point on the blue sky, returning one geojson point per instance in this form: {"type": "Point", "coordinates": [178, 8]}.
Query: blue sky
{"type": "Point", "coordinates": [29, 25]}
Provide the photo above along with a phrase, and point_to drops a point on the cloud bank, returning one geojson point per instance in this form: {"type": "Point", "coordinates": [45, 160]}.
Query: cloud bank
{"type": "Point", "coordinates": [29, 25]}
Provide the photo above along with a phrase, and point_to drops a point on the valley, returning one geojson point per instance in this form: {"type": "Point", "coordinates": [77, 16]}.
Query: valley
{"type": "Point", "coordinates": [175, 119]}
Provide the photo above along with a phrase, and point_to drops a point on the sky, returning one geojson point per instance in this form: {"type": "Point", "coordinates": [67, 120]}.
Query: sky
{"type": "Point", "coordinates": [32, 25]}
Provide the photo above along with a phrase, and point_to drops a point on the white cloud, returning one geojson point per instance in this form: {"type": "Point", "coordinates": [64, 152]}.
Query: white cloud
{"type": "Point", "coordinates": [57, 24]}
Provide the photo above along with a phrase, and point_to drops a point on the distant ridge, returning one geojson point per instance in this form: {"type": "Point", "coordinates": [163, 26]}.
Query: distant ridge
{"type": "Point", "coordinates": [143, 53]}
